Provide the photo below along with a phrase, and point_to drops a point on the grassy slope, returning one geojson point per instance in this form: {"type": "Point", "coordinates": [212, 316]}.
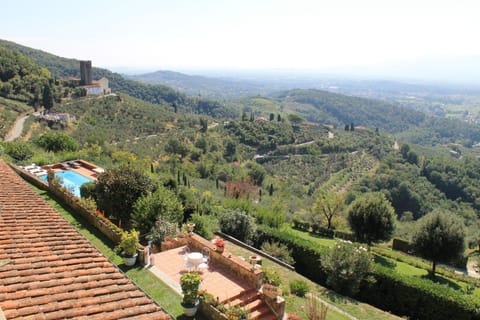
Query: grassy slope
{"type": "Point", "coordinates": [297, 305]}
{"type": "Point", "coordinates": [411, 269]}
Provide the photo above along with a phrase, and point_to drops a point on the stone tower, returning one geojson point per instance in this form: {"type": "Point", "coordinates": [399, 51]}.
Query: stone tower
{"type": "Point", "coordinates": [86, 72]}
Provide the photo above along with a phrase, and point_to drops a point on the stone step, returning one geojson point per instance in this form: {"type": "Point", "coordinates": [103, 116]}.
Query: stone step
{"type": "Point", "coordinates": [263, 312]}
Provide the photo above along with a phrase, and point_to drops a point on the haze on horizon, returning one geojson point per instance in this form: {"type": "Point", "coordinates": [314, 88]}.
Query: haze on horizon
{"type": "Point", "coordinates": [433, 39]}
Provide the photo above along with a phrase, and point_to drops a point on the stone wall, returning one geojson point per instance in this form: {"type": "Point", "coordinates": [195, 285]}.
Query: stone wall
{"type": "Point", "coordinates": [105, 227]}
{"type": "Point", "coordinates": [237, 266]}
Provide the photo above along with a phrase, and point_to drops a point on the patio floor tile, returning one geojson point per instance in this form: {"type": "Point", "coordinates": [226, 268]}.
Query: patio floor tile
{"type": "Point", "coordinates": [216, 280]}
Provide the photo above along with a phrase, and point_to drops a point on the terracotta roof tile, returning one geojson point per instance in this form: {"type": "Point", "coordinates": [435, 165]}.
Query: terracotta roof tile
{"type": "Point", "coordinates": [53, 271]}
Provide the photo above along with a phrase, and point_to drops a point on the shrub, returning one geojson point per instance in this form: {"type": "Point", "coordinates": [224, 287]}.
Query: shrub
{"type": "Point", "coordinates": [205, 225]}
{"type": "Point", "coordinates": [55, 142]}
{"type": "Point", "coordinates": [346, 265]}
{"type": "Point", "coordinates": [270, 217]}
{"type": "Point", "coordinates": [87, 190]}
{"type": "Point", "coordinates": [162, 204]}
{"type": "Point", "coordinates": [279, 251]}
{"type": "Point", "coordinates": [161, 230]}
{"type": "Point", "coordinates": [19, 151]}
{"type": "Point", "coordinates": [271, 277]}
{"type": "Point", "coordinates": [239, 224]}
{"type": "Point", "coordinates": [299, 287]}
{"type": "Point", "coordinates": [324, 232]}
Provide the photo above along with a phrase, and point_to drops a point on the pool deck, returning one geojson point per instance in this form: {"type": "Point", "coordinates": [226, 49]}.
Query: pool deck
{"type": "Point", "coordinates": [87, 173]}
{"type": "Point", "coordinates": [83, 168]}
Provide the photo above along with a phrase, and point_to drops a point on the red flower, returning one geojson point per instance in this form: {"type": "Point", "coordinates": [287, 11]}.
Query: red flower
{"type": "Point", "coordinates": [220, 243]}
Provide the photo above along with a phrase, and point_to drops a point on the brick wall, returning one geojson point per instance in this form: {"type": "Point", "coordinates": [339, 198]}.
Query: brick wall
{"type": "Point", "coordinates": [238, 266]}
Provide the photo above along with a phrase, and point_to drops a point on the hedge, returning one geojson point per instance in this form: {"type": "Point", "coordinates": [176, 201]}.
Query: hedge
{"type": "Point", "coordinates": [404, 295]}
{"type": "Point", "coordinates": [417, 298]}
{"type": "Point", "coordinates": [320, 230]}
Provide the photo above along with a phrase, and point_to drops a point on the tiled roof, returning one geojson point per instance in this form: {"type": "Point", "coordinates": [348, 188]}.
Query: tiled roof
{"type": "Point", "coordinates": [49, 271]}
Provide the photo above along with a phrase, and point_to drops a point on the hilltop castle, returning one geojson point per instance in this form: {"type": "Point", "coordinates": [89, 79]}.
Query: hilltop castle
{"type": "Point", "coordinates": [93, 87]}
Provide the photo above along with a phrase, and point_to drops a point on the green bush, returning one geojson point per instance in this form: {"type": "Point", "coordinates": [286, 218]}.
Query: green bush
{"type": "Point", "coordinates": [205, 225]}
{"type": "Point", "coordinates": [160, 230]}
{"type": "Point", "coordinates": [279, 251]}
{"type": "Point", "coordinates": [322, 231]}
{"type": "Point", "coordinates": [271, 277]}
{"type": "Point", "coordinates": [347, 265]}
{"type": "Point", "coordinates": [238, 224]}
{"type": "Point", "coordinates": [19, 151]}
{"type": "Point", "coordinates": [55, 142]}
{"type": "Point", "coordinates": [404, 295]}
{"type": "Point", "coordinates": [269, 217]}
{"type": "Point", "coordinates": [87, 190]}
{"type": "Point", "coordinates": [299, 287]}
{"type": "Point", "coordinates": [418, 298]}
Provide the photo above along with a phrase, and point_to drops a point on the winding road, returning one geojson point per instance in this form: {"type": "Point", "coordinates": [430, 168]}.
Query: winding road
{"type": "Point", "coordinates": [17, 129]}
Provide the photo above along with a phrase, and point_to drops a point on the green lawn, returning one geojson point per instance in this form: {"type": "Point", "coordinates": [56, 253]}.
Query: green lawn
{"type": "Point", "coordinates": [410, 265]}
{"type": "Point", "coordinates": [297, 305]}
{"type": "Point", "coordinates": [156, 289]}
{"type": "Point", "coordinates": [324, 242]}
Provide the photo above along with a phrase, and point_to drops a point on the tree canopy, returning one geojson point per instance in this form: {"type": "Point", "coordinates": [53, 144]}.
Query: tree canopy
{"type": "Point", "coordinates": [439, 237]}
{"type": "Point", "coordinates": [57, 141]}
{"type": "Point", "coordinates": [118, 189]}
{"type": "Point", "coordinates": [372, 218]}
{"type": "Point", "coordinates": [161, 204]}
{"type": "Point", "coordinates": [328, 205]}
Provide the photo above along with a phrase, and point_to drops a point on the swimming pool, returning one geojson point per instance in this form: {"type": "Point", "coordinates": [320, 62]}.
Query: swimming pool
{"type": "Point", "coordinates": [70, 180]}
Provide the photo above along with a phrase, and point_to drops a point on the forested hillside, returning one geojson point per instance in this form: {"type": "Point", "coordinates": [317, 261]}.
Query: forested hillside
{"type": "Point", "coordinates": [63, 67]}
{"type": "Point", "coordinates": [21, 79]}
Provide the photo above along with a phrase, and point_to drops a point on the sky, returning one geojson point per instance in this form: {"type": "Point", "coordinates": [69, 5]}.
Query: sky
{"type": "Point", "coordinates": [247, 34]}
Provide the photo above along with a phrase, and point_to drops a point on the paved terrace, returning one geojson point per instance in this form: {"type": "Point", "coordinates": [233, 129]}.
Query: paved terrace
{"type": "Point", "coordinates": [216, 280]}
{"type": "Point", "coordinates": [49, 271]}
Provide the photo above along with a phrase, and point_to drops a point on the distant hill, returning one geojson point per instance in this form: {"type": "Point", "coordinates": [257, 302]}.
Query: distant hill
{"type": "Point", "coordinates": [160, 94]}
{"type": "Point", "coordinates": [325, 107]}
{"type": "Point", "coordinates": [202, 86]}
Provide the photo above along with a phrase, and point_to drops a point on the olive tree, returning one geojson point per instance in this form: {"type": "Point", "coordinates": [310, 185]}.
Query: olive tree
{"type": "Point", "coordinates": [237, 223]}
{"type": "Point", "coordinates": [372, 218]}
{"type": "Point", "coordinates": [439, 236]}
{"type": "Point", "coordinates": [328, 205]}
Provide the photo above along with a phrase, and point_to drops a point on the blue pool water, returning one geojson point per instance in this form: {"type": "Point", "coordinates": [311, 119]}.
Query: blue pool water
{"type": "Point", "coordinates": [70, 180]}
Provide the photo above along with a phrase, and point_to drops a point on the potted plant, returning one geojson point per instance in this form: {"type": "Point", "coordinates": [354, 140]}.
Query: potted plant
{"type": "Point", "coordinates": [271, 283]}
{"type": "Point", "coordinates": [190, 228]}
{"type": "Point", "coordinates": [190, 282]}
{"type": "Point", "coordinates": [220, 245]}
{"type": "Point", "coordinates": [128, 245]}
{"type": "Point", "coordinates": [162, 231]}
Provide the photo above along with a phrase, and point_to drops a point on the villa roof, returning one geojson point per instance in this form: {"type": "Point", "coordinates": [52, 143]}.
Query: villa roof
{"type": "Point", "coordinates": [50, 271]}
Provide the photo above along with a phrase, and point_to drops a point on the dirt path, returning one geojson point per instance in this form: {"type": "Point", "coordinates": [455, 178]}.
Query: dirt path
{"type": "Point", "coordinates": [473, 267]}
{"type": "Point", "coordinates": [17, 129]}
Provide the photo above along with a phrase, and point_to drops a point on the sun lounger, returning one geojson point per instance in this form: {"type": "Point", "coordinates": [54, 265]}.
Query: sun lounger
{"type": "Point", "coordinates": [30, 167]}
{"type": "Point", "coordinates": [41, 173]}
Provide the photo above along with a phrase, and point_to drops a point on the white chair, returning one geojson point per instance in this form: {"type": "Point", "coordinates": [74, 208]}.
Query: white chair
{"type": "Point", "coordinates": [206, 255]}
{"type": "Point", "coordinates": [186, 263]}
{"type": "Point", "coordinates": [206, 259]}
